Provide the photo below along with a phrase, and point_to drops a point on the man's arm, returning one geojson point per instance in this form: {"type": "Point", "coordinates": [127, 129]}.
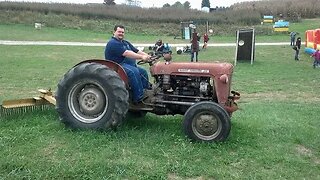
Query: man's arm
{"type": "Point", "coordinates": [139, 55]}
{"type": "Point", "coordinates": [142, 53]}
{"type": "Point", "coordinates": [134, 53]}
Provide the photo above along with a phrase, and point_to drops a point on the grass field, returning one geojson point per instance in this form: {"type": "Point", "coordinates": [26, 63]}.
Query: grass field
{"type": "Point", "coordinates": [274, 135]}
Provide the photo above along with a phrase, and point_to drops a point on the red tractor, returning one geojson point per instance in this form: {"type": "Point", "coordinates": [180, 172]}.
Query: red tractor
{"type": "Point", "coordinates": [95, 94]}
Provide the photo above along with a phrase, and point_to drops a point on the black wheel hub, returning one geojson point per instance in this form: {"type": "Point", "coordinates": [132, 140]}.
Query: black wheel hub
{"type": "Point", "coordinates": [206, 124]}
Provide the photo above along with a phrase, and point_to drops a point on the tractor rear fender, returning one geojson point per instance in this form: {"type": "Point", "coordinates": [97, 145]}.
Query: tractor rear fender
{"type": "Point", "coordinates": [110, 64]}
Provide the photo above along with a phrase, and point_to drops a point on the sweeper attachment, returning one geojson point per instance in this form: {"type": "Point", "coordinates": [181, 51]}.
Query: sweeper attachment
{"type": "Point", "coordinates": [44, 101]}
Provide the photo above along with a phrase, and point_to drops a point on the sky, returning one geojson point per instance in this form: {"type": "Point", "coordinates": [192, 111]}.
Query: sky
{"type": "Point", "coordinates": [195, 4]}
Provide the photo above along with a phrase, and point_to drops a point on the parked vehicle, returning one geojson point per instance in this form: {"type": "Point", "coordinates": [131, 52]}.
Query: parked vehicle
{"type": "Point", "coordinates": [95, 94]}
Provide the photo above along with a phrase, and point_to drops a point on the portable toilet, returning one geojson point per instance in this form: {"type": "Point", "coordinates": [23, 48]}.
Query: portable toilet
{"type": "Point", "coordinates": [245, 46]}
{"type": "Point", "coordinates": [186, 30]}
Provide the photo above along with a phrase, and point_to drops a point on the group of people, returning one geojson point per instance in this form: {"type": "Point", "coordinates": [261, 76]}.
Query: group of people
{"type": "Point", "coordinates": [296, 45]}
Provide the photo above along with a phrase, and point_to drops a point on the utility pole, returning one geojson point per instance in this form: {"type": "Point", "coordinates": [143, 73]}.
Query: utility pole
{"type": "Point", "coordinates": [207, 27]}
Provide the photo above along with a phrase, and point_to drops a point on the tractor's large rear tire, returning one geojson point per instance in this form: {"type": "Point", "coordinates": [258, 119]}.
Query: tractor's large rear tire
{"type": "Point", "coordinates": [207, 121]}
{"type": "Point", "coordinates": [92, 96]}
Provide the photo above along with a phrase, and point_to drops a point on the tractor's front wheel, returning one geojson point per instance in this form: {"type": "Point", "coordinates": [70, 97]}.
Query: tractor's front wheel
{"type": "Point", "coordinates": [92, 96]}
{"type": "Point", "coordinates": [206, 121]}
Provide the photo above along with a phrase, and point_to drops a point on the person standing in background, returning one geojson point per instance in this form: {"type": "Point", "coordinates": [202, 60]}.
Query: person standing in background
{"type": "Point", "coordinates": [297, 48]}
{"type": "Point", "coordinates": [195, 46]}
{"type": "Point", "coordinates": [205, 41]}
{"type": "Point", "coordinates": [316, 55]}
{"type": "Point", "coordinates": [292, 38]}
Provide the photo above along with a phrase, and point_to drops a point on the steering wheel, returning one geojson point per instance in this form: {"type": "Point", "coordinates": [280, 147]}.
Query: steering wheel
{"type": "Point", "coordinates": [151, 61]}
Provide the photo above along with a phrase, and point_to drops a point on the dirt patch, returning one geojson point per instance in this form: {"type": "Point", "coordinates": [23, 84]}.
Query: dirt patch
{"type": "Point", "coordinates": [281, 96]}
{"type": "Point", "coordinates": [302, 150]}
{"type": "Point", "coordinates": [175, 177]}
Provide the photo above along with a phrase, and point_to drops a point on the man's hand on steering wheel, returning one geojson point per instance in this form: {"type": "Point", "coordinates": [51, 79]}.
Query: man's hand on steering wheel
{"type": "Point", "coordinates": [146, 58]}
{"type": "Point", "coordinates": [151, 60]}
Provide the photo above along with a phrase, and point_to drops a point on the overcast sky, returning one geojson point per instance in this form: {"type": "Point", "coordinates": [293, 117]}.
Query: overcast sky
{"type": "Point", "coordinates": [195, 4]}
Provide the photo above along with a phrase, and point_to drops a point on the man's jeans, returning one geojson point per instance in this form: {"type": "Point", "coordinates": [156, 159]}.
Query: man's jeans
{"type": "Point", "coordinates": [194, 58]}
{"type": "Point", "coordinates": [292, 41]}
{"type": "Point", "coordinates": [296, 56]}
{"type": "Point", "coordinates": [138, 80]}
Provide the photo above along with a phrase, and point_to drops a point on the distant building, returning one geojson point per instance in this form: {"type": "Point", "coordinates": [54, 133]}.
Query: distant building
{"type": "Point", "coordinates": [221, 8]}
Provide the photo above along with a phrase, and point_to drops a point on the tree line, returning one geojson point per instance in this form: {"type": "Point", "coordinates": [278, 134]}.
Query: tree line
{"type": "Point", "coordinates": [177, 4]}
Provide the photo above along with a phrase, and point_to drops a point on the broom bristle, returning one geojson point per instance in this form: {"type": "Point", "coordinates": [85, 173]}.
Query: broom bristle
{"type": "Point", "coordinates": [4, 112]}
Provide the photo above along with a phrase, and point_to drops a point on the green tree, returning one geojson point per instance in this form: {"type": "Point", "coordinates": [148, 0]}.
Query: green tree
{"type": "Point", "coordinates": [186, 5]}
{"type": "Point", "coordinates": [166, 5]}
{"type": "Point", "coordinates": [205, 3]}
{"type": "Point", "coordinates": [177, 5]}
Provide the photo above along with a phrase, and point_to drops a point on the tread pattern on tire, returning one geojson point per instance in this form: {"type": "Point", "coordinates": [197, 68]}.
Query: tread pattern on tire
{"type": "Point", "coordinates": [109, 80]}
{"type": "Point", "coordinates": [220, 112]}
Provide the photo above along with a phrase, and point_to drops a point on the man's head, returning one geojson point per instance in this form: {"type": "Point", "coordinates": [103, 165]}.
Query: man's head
{"type": "Point", "coordinates": [118, 32]}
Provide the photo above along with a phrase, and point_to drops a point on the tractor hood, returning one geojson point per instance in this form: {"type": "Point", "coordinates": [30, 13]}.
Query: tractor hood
{"type": "Point", "coordinates": [191, 68]}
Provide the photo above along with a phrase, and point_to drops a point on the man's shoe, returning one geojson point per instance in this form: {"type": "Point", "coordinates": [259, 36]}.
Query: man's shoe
{"type": "Point", "coordinates": [150, 86]}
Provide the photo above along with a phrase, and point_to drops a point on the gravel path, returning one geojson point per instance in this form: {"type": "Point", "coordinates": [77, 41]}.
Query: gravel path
{"type": "Point", "coordinates": [59, 43]}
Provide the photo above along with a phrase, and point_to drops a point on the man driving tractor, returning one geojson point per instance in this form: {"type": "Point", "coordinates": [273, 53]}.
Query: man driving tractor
{"type": "Point", "coordinates": [123, 53]}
